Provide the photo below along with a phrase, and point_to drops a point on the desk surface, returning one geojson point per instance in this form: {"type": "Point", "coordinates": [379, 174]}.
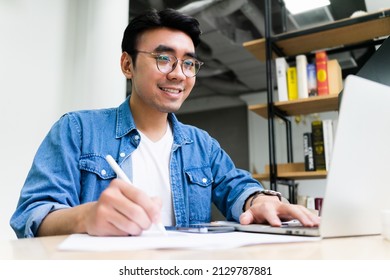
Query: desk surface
{"type": "Point", "coordinates": [349, 248]}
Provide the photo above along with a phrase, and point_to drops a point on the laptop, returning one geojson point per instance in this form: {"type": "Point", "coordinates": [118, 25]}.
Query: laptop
{"type": "Point", "coordinates": [377, 67]}
{"type": "Point", "coordinates": [357, 186]}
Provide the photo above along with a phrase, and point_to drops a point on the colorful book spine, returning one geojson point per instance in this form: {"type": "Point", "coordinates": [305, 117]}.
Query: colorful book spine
{"type": "Point", "coordinates": [322, 73]}
{"type": "Point", "coordinates": [312, 79]}
{"type": "Point", "coordinates": [301, 63]}
{"type": "Point", "coordinates": [335, 77]}
{"type": "Point", "coordinates": [308, 152]}
{"type": "Point", "coordinates": [292, 85]}
{"type": "Point", "coordinates": [318, 204]}
{"type": "Point", "coordinates": [281, 66]}
{"type": "Point", "coordinates": [318, 145]}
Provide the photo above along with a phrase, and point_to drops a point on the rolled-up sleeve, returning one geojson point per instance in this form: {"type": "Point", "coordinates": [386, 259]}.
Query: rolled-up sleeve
{"type": "Point", "coordinates": [53, 180]}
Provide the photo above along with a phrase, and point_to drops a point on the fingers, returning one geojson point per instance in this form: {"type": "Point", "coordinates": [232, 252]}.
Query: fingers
{"type": "Point", "coordinates": [123, 209]}
{"type": "Point", "coordinates": [312, 219]}
{"type": "Point", "coordinates": [97, 217]}
{"type": "Point", "coordinates": [109, 222]}
{"type": "Point", "coordinates": [158, 203]}
{"type": "Point", "coordinates": [272, 216]}
{"type": "Point", "coordinates": [298, 212]}
{"type": "Point", "coordinates": [137, 205]}
{"type": "Point", "coordinates": [273, 212]}
{"type": "Point", "coordinates": [247, 218]}
{"type": "Point", "coordinates": [266, 213]}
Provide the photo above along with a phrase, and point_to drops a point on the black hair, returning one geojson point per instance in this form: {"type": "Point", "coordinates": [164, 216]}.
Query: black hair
{"type": "Point", "coordinates": [155, 19]}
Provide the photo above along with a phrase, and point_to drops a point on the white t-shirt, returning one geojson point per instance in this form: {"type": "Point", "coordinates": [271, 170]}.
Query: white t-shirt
{"type": "Point", "coordinates": [151, 171]}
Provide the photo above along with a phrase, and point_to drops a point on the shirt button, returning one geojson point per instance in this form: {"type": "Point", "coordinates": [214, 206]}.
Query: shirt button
{"type": "Point", "coordinates": [136, 137]}
{"type": "Point", "coordinates": [122, 154]}
{"type": "Point", "coordinates": [103, 172]}
{"type": "Point", "coordinates": [204, 180]}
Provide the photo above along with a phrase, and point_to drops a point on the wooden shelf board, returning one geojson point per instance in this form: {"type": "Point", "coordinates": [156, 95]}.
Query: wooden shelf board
{"type": "Point", "coordinates": [315, 104]}
{"type": "Point", "coordinates": [257, 48]}
{"type": "Point", "coordinates": [304, 175]}
{"type": "Point", "coordinates": [323, 38]}
{"type": "Point", "coordinates": [342, 36]}
{"type": "Point", "coordinates": [295, 171]}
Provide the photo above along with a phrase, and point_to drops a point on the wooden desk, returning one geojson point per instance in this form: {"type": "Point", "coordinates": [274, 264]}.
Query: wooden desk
{"type": "Point", "coordinates": [349, 248]}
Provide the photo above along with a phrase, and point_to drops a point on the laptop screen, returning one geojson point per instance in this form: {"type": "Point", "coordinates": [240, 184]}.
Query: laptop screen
{"type": "Point", "coordinates": [377, 68]}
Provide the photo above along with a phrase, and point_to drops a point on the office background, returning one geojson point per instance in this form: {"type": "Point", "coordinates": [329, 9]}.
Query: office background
{"type": "Point", "coordinates": [55, 56]}
{"type": "Point", "coordinates": [63, 55]}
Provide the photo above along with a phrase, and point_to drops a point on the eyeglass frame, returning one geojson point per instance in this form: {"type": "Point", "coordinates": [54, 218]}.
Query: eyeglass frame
{"type": "Point", "coordinates": [156, 54]}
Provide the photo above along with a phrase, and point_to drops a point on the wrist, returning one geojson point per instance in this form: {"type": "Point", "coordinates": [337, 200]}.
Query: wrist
{"type": "Point", "coordinates": [271, 193]}
{"type": "Point", "coordinates": [251, 199]}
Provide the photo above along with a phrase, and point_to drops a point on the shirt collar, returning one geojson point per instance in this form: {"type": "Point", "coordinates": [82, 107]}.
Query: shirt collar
{"type": "Point", "coordinates": [124, 121]}
{"type": "Point", "coordinates": [125, 124]}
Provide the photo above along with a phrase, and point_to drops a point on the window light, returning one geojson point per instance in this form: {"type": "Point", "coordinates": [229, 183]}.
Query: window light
{"type": "Point", "coordinates": [300, 6]}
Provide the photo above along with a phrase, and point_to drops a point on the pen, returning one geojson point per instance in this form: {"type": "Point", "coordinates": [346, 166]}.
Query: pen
{"type": "Point", "coordinates": [121, 175]}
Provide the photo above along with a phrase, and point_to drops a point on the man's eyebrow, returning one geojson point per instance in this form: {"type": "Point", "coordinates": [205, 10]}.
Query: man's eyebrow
{"type": "Point", "coordinates": [163, 48]}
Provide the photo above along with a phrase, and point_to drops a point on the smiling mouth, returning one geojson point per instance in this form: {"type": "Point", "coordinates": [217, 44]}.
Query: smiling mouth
{"type": "Point", "coordinates": [171, 90]}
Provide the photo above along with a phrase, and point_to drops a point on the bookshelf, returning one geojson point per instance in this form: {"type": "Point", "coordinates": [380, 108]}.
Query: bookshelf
{"type": "Point", "coordinates": [337, 34]}
{"type": "Point", "coordinates": [315, 104]}
{"type": "Point", "coordinates": [343, 34]}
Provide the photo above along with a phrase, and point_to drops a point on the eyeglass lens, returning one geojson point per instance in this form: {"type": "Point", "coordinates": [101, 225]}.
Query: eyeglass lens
{"type": "Point", "coordinates": [167, 63]}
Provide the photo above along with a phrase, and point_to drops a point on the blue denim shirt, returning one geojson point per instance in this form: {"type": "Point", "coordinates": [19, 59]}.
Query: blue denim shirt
{"type": "Point", "coordinates": [70, 169]}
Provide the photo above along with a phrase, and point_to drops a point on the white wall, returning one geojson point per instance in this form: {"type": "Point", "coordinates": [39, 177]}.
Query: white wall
{"type": "Point", "coordinates": [55, 56]}
{"type": "Point", "coordinates": [375, 5]}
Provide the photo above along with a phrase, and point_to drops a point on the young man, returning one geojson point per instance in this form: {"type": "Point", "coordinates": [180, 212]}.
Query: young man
{"type": "Point", "coordinates": [176, 170]}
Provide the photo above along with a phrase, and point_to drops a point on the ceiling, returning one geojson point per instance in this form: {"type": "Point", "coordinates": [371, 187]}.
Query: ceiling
{"type": "Point", "coordinates": [230, 70]}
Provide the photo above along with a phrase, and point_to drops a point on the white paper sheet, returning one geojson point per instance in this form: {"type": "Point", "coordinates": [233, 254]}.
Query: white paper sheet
{"type": "Point", "coordinates": [174, 240]}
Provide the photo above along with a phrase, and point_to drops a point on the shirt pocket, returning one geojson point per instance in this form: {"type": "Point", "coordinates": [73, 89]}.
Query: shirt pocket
{"type": "Point", "coordinates": [200, 182]}
{"type": "Point", "coordinates": [97, 165]}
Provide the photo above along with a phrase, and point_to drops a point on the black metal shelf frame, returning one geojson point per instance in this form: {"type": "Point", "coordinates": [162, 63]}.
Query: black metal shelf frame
{"type": "Point", "coordinates": [273, 111]}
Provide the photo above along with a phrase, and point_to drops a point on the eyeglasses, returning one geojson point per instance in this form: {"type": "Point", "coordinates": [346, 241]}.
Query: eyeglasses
{"type": "Point", "coordinates": [166, 63]}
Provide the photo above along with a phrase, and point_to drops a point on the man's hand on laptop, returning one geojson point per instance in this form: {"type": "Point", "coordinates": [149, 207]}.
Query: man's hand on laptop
{"type": "Point", "coordinates": [265, 209]}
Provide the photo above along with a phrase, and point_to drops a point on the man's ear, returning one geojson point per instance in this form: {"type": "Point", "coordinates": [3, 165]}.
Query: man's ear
{"type": "Point", "coordinates": [126, 65]}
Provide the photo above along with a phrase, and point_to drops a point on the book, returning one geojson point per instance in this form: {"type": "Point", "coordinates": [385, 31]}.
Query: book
{"type": "Point", "coordinates": [301, 64]}
{"type": "Point", "coordinates": [321, 59]}
{"type": "Point", "coordinates": [335, 77]}
{"type": "Point", "coordinates": [308, 152]}
{"type": "Point", "coordinates": [327, 127]}
{"type": "Point", "coordinates": [281, 66]}
{"type": "Point", "coordinates": [302, 200]}
{"type": "Point", "coordinates": [292, 83]}
{"type": "Point", "coordinates": [318, 144]}
{"type": "Point", "coordinates": [312, 79]}
{"type": "Point", "coordinates": [318, 204]}
{"type": "Point", "coordinates": [310, 204]}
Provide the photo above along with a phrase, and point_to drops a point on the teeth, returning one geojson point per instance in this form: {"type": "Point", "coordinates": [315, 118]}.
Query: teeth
{"type": "Point", "coordinates": [171, 90]}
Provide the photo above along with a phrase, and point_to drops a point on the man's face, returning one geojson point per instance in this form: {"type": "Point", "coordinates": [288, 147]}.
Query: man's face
{"type": "Point", "coordinates": [153, 89]}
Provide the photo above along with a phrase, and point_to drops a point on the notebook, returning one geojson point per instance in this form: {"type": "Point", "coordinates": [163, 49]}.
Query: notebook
{"type": "Point", "coordinates": [357, 187]}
